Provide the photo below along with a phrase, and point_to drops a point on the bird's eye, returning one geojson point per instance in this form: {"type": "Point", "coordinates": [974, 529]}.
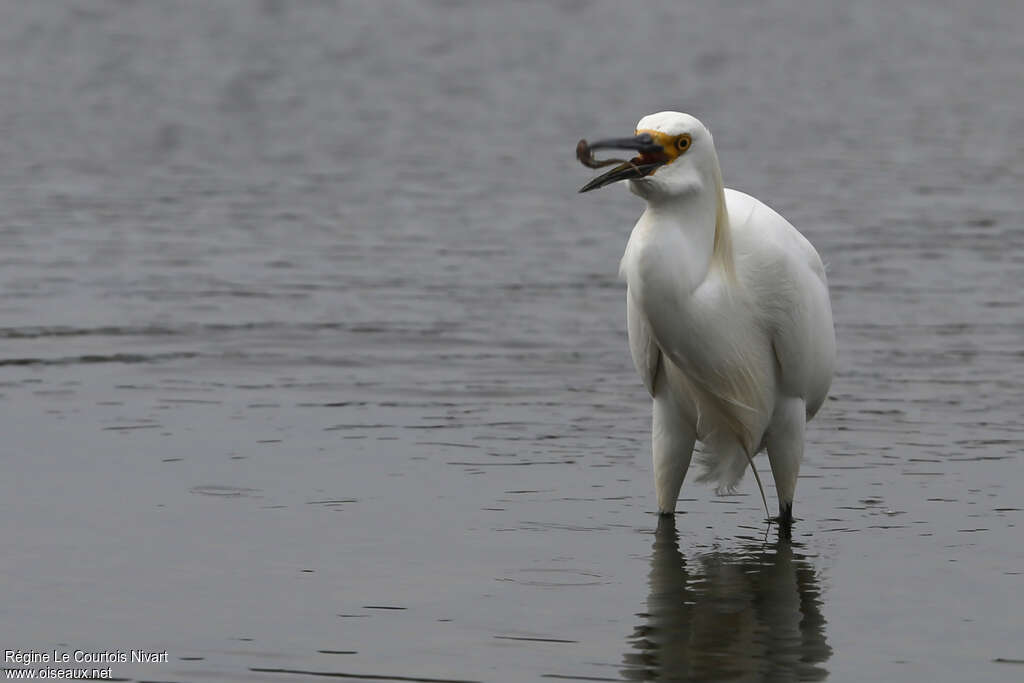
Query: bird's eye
{"type": "Point", "coordinates": [683, 143]}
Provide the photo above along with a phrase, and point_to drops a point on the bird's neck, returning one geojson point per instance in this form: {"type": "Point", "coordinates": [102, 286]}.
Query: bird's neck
{"type": "Point", "coordinates": [689, 234]}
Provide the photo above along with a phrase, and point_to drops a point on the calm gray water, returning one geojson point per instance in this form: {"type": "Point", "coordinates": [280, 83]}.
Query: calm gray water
{"type": "Point", "coordinates": [314, 362]}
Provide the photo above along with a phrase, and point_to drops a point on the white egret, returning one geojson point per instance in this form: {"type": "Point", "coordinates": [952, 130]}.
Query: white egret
{"type": "Point", "coordinates": [728, 312]}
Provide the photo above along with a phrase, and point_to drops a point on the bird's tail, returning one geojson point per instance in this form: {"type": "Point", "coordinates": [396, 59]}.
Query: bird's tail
{"type": "Point", "coordinates": [722, 464]}
{"type": "Point", "coordinates": [725, 451]}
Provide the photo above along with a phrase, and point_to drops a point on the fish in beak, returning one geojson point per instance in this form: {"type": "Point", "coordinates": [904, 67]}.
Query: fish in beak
{"type": "Point", "coordinates": [652, 156]}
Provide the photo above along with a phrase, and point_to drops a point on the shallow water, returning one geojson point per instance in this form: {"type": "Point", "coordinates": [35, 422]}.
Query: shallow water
{"type": "Point", "coordinates": [313, 362]}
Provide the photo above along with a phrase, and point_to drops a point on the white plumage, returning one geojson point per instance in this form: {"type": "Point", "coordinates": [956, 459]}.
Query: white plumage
{"type": "Point", "coordinates": [730, 324]}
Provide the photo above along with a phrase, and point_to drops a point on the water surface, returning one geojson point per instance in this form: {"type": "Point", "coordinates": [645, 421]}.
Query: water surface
{"type": "Point", "coordinates": [312, 361]}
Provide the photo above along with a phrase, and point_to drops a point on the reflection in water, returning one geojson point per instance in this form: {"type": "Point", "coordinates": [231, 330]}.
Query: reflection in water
{"type": "Point", "coordinates": [752, 614]}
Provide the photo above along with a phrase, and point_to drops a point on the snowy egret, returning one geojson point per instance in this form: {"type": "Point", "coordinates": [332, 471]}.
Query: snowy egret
{"type": "Point", "coordinates": [728, 313]}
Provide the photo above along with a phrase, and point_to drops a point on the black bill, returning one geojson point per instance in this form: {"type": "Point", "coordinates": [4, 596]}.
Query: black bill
{"type": "Point", "coordinates": [651, 157]}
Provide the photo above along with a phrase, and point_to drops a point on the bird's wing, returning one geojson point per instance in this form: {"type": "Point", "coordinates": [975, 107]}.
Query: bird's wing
{"type": "Point", "coordinates": [788, 281]}
{"type": "Point", "coordinates": [804, 342]}
{"type": "Point", "coordinates": [643, 348]}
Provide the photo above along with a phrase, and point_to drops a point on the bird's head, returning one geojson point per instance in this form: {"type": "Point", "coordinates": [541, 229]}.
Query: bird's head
{"type": "Point", "coordinates": [673, 149]}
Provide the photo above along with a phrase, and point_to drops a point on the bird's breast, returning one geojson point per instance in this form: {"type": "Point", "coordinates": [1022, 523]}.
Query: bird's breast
{"type": "Point", "coordinates": [663, 266]}
{"type": "Point", "coordinates": [712, 338]}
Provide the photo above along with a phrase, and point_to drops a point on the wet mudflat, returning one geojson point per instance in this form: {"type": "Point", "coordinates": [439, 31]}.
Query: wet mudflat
{"type": "Point", "coordinates": [313, 364]}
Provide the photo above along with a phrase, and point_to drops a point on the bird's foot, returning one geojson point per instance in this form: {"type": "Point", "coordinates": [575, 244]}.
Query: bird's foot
{"type": "Point", "coordinates": [785, 518]}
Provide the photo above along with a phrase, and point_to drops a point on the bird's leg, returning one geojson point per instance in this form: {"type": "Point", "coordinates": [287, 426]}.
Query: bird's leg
{"type": "Point", "coordinates": [672, 439]}
{"type": "Point", "coordinates": [785, 518]}
{"type": "Point", "coordinates": [786, 512]}
{"type": "Point", "coordinates": [785, 451]}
